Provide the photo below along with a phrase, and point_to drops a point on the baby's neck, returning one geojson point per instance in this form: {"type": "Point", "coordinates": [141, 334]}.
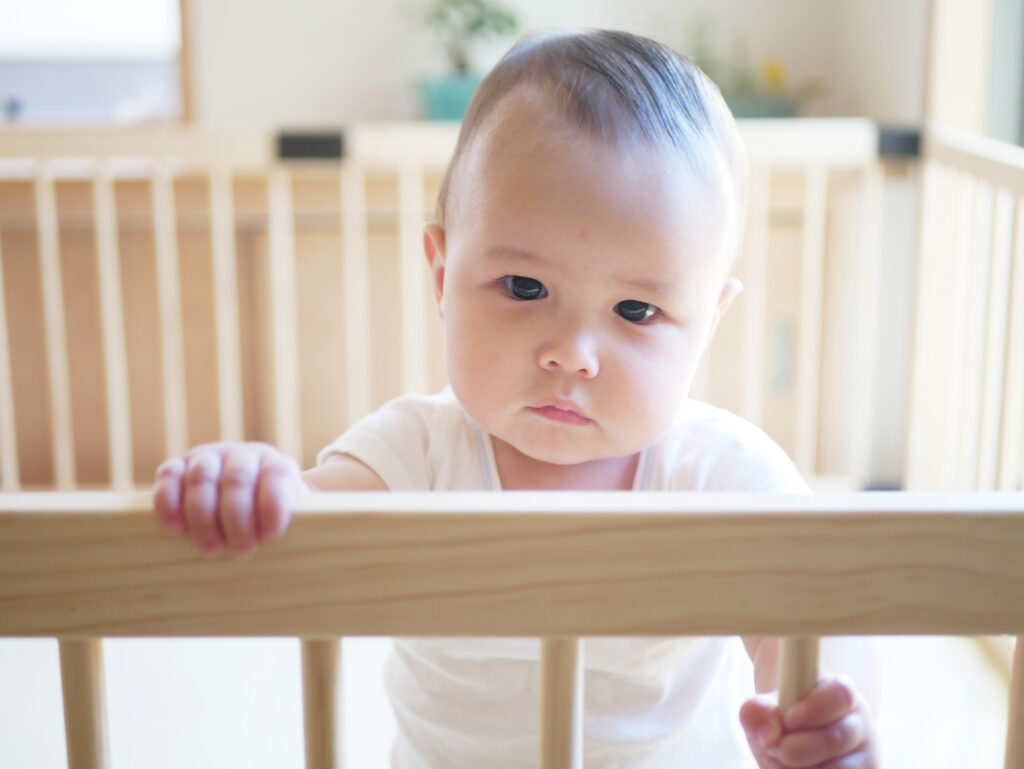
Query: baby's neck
{"type": "Point", "coordinates": [518, 471]}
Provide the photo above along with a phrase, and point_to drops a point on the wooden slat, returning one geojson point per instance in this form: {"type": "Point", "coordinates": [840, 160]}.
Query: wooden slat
{"type": "Point", "coordinates": [323, 703]}
{"type": "Point", "coordinates": [865, 310]}
{"type": "Point", "coordinates": [978, 264]}
{"type": "Point", "coordinates": [530, 564]}
{"type": "Point", "coordinates": [1011, 449]}
{"type": "Point", "coordinates": [995, 308]}
{"type": "Point", "coordinates": [561, 710]}
{"type": "Point", "coordinates": [85, 711]}
{"type": "Point", "coordinates": [808, 365]}
{"type": "Point", "coordinates": [355, 250]}
{"type": "Point", "coordinates": [413, 279]}
{"type": "Point", "coordinates": [999, 163]}
{"type": "Point", "coordinates": [755, 297]}
{"type": "Point", "coordinates": [927, 280]}
{"type": "Point", "coordinates": [9, 475]}
{"type": "Point", "coordinates": [798, 669]}
{"type": "Point", "coordinates": [56, 331]}
{"type": "Point", "coordinates": [115, 354]}
{"type": "Point", "coordinates": [949, 324]}
{"type": "Point", "coordinates": [225, 292]}
{"type": "Point", "coordinates": [284, 315]}
{"type": "Point", "coordinates": [172, 331]}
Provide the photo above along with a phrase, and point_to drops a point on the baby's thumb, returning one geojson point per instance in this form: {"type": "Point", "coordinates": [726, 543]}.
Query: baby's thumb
{"type": "Point", "coordinates": [761, 721]}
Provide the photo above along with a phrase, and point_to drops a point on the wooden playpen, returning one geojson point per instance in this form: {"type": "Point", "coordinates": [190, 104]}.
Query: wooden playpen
{"type": "Point", "coordinates": [151, 300]}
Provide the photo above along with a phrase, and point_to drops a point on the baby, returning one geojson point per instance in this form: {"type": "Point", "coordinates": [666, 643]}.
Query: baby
{"type": "Point", "coordinates": [580, 258]}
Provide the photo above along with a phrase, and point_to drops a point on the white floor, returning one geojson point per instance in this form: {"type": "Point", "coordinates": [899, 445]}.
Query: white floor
{"type": "Point", "coordinates": [212, 704]}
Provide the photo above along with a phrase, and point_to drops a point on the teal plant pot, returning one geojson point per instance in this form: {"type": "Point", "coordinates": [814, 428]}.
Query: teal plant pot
{"type": "Point", "coordinates": [446, 98]}
{"type": "Point", "coordinates": [756, 105]}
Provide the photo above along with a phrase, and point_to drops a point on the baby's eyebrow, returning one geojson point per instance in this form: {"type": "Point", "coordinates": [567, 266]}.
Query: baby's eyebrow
{"type": "Point", "coordinates": [513, 253]}
{"type": "Point", "coordinates": [652, 285]}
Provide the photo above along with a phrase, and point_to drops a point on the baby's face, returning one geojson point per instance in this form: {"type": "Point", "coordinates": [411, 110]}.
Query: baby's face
{"type": "Point", "coordinates": [578, 285]}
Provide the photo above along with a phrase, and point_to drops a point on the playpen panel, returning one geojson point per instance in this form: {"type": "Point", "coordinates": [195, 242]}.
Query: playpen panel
{"type": "Point", "coordinates": [966, 420]}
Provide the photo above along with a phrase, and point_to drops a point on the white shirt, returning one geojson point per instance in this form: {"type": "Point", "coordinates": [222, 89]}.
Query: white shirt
{"type": "Point", "coordinates": [650, 703]}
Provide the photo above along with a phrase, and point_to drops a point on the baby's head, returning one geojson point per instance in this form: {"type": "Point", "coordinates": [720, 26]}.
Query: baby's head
{"type": "Point", "coordinates": [585, 230]}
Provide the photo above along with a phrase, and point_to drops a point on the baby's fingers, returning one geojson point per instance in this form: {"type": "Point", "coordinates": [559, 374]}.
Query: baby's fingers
{"type": "Point", "coordinates": [238, 483]}
{"type": "Point", "coordinates": [279, 484]}
{"type": "Point", "coordinates": [844, 739]}
{"type": "Point", "coordinates": [168, 496]}
{"type": "Point", "coordinates": [202, 497]}
{"type": "Point", "coordinates": [831, 698]}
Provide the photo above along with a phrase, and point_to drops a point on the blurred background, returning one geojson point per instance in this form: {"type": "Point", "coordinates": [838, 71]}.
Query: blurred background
{"type": "Point", "coordinates": [879, 340]}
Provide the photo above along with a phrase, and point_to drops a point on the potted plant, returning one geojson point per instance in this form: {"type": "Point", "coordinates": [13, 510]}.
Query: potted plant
{"type": "Point", "coordinates": [458, 25]}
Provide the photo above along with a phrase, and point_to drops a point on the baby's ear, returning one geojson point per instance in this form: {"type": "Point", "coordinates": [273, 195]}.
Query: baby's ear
{"type": "Point", "coordinates": [730, 291]}
{"type": "Point", "coordinates": [433, 248]}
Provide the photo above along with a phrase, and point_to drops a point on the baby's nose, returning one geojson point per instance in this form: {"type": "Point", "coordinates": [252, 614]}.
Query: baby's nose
{"type": "Point", "coordinates": [574, 351]}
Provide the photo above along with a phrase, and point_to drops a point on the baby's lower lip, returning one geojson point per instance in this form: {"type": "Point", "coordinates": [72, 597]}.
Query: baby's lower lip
{"type": "Point", "coordinates": [564, 416]}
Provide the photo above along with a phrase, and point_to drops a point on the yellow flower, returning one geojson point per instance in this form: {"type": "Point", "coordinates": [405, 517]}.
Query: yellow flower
{"type": "Point", "coordinates": [773, 72]}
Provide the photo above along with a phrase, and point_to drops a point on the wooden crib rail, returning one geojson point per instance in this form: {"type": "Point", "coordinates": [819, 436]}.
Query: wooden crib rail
{"type": "Point", "coordinates": [560, 566]}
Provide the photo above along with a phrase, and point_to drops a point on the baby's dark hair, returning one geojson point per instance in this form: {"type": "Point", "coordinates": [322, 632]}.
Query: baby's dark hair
{"type": "Point", "coordinates": [623, 89]}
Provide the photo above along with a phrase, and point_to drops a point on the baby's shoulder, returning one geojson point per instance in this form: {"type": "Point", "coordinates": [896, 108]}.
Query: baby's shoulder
{"type": "Point", "coordinates": [712, 449]}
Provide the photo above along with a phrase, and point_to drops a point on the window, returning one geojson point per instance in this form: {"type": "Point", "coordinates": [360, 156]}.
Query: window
{"type": "Point", "coordinates": [102, 61]}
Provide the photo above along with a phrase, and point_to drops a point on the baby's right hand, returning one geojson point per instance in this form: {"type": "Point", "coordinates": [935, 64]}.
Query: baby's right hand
{"type": "Point", "coordinates": [227, 493]}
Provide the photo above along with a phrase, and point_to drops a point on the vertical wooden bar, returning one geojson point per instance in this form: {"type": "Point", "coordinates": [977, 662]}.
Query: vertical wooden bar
{"type": "Point", "coordinates": [225, 293]}
{"type": "Point", "coordinates": [996, 299]}
{"type": "Point", "coordinates": [798, 668]}
{"type": "Point", "coordinates": [172, 327]}
{"type": "Point", "coordinates": [922, 354]}
{"type": "Point", "coordinates": [413, 278]}
{"type": "Point", "coordinates": [1015, 721]}
{"type": "Point", "coordinates": [323, 703]}
{"type": "Point", "coordinates": [978, 263]}
{"type": "Point", "coordinates": [860, 413]}
{"type": "Point", "coordinates": [561, 726]}
{"type": "Point", "coordinates": [355, 250]}
{"type": "Point", "coordinates": [115, 355]}
{"type": "Point", "coordinates": [811, 289]}
{"type": "Point", "coordinates": [950, 326]}
{"type": "Point", "coordinates": [1011, 448]}
{"type": "Point", "coordinates": [9, 475]}
{"type": "Point", "coordinates": [284, 316]}
{"type": "Point", "coordinates": [56, 331]}
{"type": "Point", "coordinates": [755, 297]}
{"type": "Point", "coordinates": [85, 710]}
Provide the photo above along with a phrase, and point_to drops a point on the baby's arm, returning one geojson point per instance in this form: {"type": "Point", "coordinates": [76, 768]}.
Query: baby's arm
{"type": "Point", "coordinates": [832, 725]}
{"type": "Point", "coordinates": [239, 494]}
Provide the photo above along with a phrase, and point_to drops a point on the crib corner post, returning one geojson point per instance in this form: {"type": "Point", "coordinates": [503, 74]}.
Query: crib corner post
{"type": "Point", "coordinates": [85, 709]}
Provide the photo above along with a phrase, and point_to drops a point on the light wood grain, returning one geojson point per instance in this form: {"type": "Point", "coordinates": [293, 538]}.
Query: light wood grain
{"type": "Point", "coordinates": [356, 255]}
{"type": "Point", "coordinates": [526, 564]}
{"type": "Point", "coordinates": [323, 703]}
{"type": "Point", "coordinates": [1015, 724]}
{"type": "Point", "coordinates": [85, 709]}
{"type": "Point", "coordinates": [561, 704]}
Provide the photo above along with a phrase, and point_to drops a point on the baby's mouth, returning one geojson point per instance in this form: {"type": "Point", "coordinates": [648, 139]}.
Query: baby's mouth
{"type": "Point", "coordinates": [563, 415]}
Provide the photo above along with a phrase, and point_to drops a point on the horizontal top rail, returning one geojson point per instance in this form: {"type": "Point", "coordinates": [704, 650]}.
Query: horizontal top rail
{"type": "Point", "coordinates": [525, 564]}
{"type": "Point", "coordinates": [997, 162]}
{"type": "Point", "coordinates": [836, 142]}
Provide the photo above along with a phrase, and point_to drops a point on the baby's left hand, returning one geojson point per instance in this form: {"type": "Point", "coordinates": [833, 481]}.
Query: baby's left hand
{"type": "Point", "coordinates": [830, 728]}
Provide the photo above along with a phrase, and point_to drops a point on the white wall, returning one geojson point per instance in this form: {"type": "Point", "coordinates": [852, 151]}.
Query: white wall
{"type": "Point", "coordinates": [329, 62]}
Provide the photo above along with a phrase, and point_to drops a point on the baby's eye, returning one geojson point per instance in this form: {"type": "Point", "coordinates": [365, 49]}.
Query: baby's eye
{"type": "Point", "coordinates": [635, 311]}
{"type": "Point", "coordinates": [524, 288]}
